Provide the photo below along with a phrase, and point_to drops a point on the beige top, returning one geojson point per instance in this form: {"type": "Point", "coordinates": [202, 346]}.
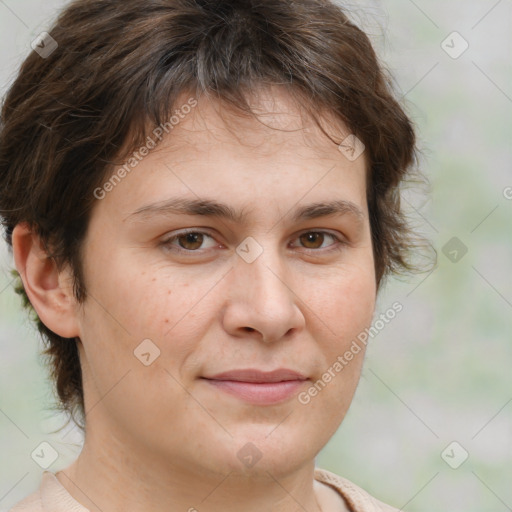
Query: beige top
{"type": "Point", "coordinates": [52, 496]}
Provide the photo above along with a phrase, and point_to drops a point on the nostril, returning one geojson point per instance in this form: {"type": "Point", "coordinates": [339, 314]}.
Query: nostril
{"type": "Point", "coordinates": [250, 329]}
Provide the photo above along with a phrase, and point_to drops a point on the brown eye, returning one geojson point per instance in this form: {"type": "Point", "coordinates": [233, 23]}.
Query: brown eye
{"type": "Point", "coordinates": [190, 241]}
{"type": "Point", "coordinates": [312, 240]}
{"type": "Point", "coordinates": [318, 241]}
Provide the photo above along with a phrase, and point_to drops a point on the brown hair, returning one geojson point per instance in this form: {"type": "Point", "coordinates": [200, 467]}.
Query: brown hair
{"type": "Point", "coordinates": [117, 73]}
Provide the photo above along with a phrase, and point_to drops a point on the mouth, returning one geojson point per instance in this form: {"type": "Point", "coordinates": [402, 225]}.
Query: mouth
{"type": "Point", "coordinates": [258, 387]}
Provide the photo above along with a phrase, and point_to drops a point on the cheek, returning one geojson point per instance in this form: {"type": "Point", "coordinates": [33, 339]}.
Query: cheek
{"type": "Point", "coordinates": [160, 304]}
{"type": "Point", "coordinates": [343, 308]}
{"type": "Point", "coordinates": [357, 301]}
{"type": "Point", "coordinates": [145, 298]}
{"type": "Point", "coordinates": [127, 310]}
{"type": "Point", "coordinates": [343, 301]}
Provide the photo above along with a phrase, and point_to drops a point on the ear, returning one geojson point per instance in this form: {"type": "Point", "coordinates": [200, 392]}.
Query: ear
{"type": "Point", "coordinates": [49, 290]}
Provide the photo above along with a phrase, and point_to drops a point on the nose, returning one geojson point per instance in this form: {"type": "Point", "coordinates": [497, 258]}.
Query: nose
{"type": "Point", "coordinates": [261, 301]}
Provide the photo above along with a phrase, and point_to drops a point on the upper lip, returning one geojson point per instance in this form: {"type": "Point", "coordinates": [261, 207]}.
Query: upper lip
{"type": "Point", "coordinates": [254, 375]}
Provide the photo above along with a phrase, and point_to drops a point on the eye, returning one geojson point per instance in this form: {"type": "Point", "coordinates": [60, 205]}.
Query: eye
{"type": "Point", "coordinates": [189, 241]}
{"type": "Point", "coordinates": [315, 239]}
{"type": "Point", "coordinates": [192, 241]}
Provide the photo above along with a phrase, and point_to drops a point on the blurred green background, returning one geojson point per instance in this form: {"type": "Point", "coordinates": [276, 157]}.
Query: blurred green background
{"type": "Point", "coordinates": [440, 371]}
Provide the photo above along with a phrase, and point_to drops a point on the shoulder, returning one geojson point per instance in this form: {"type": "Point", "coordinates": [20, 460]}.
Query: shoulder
{"type": "Point", "coordinates": [358, 499]}
{"type": "Point", "coordinates": [32, 503]}
{"type": "Point", "coordinates": [50, 496]}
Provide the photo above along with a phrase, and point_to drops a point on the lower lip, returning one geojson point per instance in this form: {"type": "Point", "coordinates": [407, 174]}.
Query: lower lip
{"type": "Point", "coordinates": [259, 393]}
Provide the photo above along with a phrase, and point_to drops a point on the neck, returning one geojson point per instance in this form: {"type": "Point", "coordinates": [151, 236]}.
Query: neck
{"type": "Point", "coordinates": [109, 476]}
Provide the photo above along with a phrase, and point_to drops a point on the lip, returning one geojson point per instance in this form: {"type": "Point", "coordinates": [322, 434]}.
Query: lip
{"type": "Point", "coordinates": [258, 387]}
{"type": "Point", "coordinates": [258, 376]}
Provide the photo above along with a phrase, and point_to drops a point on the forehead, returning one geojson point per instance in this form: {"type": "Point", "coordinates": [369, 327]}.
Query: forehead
{"type": "Point", "coordinates": [279, 121]}
{"type": "Point", "coordinates": [210, 150]}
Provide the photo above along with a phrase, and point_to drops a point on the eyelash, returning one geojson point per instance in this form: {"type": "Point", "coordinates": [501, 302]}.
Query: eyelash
{"type": "Point", "coordinates": [337, 246]}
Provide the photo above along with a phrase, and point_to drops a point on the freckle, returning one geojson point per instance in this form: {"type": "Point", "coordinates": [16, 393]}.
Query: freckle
{"type": "Point", "coordinates": [154, 279]}
{"type": "Point", "coordinates": [166, 320]}
{"type": "Point", "coordinates": [169, 292]}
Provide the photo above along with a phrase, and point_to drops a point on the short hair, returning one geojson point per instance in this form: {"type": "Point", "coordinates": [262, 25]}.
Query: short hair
{"type": "Point", "coordinates": [117, 72]}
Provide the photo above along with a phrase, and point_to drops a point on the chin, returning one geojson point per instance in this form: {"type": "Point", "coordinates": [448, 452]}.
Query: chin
{"type": "Point", "coordinates": [256, 451]}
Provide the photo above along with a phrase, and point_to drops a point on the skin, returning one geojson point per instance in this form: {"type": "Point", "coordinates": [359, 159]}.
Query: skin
{"type": "Point", "coordinates": [159, 437]}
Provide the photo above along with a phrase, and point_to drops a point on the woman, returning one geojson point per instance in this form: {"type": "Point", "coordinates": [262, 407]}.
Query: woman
{"type": "Point", "coordinates": [201, 198]}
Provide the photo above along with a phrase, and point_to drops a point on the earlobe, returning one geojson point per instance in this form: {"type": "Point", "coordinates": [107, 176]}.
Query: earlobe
{"type": "Point", "coordinates": [49, 290]}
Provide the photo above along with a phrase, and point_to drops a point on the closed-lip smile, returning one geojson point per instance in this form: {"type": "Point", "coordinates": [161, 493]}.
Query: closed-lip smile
{"type": "Point", "coordinates": [254, 375]}
{"type": "Point", "coordinates": [259, 387]}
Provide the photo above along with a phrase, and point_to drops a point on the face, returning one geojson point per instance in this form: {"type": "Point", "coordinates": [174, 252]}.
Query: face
{"type": "Point", "coordinates": [181, 291]}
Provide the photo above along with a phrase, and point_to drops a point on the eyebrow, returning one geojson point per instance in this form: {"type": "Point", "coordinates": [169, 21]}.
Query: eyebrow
{"type": "Point", "coordinates": [211, 208]}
